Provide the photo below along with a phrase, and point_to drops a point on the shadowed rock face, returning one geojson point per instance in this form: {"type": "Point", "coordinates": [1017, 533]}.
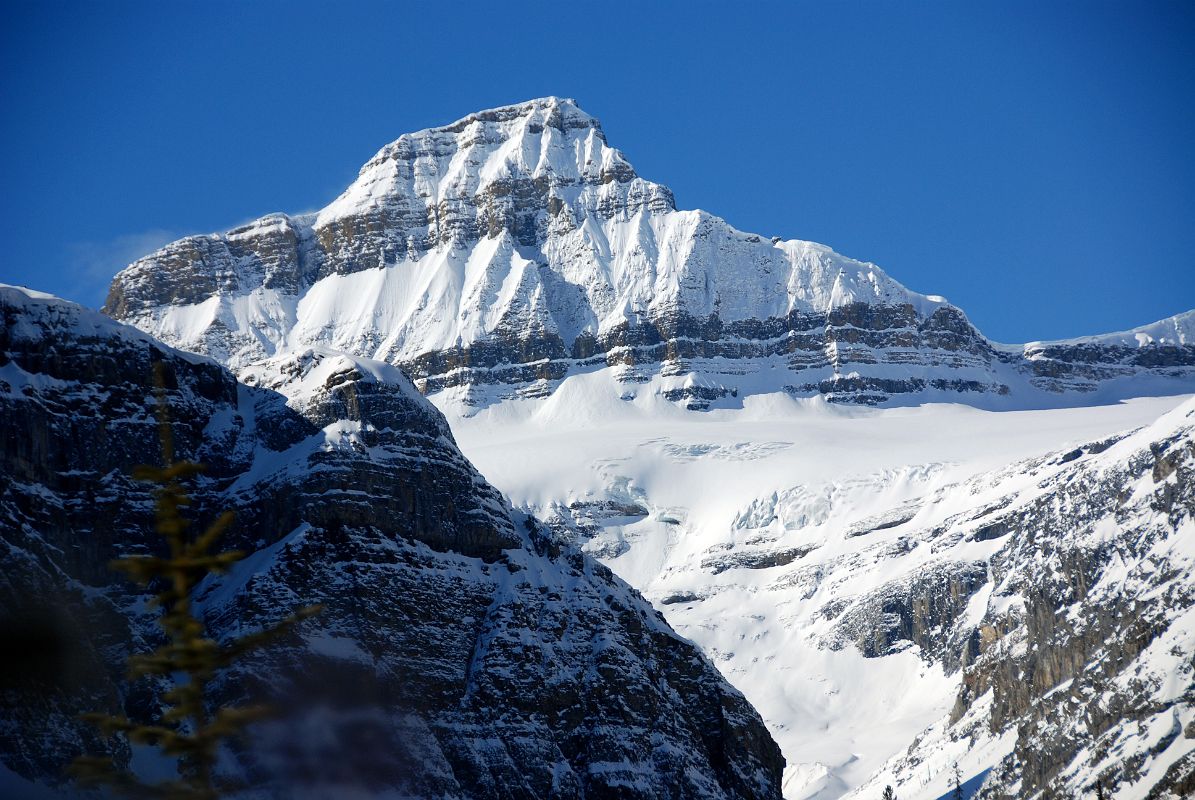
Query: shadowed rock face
{"type": "Point", "coordinates": [515, 245]}
{"type": "Point", "coordinates": [464, 651]}
{"type": "Point", "coordinates": [922, 611]}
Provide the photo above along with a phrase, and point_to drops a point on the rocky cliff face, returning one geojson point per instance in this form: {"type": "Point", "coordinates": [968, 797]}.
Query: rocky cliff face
{"type": "Point", "coordinates": [464, 650]}
{"type": "Point", "coordinates": [1064, 604]}
{"type": "Point", "coordinates": [494, 256]}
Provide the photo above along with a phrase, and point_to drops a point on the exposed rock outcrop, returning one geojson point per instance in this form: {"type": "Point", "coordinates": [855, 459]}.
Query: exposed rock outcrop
{"type": "Point", "coordinates": [1076, 661]}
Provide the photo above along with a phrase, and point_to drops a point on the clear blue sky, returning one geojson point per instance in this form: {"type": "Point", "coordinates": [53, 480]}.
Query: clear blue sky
{"type": "Point", "coordinates": [1033, 162]}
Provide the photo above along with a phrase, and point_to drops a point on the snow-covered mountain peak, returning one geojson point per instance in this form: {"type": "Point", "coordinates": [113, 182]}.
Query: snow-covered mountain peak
{"type": "Point", "coordinates": [510, 122]}
{"type": "Point", "coordinates": [515, 247]}
{"type": "Point", "coordinates": [557, 112]}
{"type": "Point", "coordinates": [548, 141]}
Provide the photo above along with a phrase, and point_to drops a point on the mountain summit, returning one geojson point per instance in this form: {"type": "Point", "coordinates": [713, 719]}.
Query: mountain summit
{"type": "Point", "coordinates": [516, 245]}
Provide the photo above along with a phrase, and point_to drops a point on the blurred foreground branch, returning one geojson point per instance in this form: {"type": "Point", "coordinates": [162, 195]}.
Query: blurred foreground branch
{"type": "Point", "coordinates": [190, 659]}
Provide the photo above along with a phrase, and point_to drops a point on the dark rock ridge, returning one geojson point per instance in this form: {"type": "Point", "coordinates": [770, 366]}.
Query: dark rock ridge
{"type": "Point", "coordinates": [465, 651]}
{"type": "Point", "coordinates": [496, 255]}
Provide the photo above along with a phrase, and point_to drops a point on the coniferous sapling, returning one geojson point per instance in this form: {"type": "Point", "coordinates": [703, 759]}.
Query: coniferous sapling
{"type": "Point", "coordinates": [190, 659]}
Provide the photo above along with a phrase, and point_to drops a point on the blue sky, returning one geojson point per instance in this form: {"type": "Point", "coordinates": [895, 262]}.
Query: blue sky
{"type": "Point", "coordinates": [1033, 162]}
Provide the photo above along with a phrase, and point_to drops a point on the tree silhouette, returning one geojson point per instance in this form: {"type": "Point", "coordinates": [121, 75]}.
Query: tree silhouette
{"type": "Point", "coordinates": [189, 734]}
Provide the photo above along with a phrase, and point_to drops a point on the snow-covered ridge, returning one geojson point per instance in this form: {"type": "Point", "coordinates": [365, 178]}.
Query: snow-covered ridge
{"type": "Point", "coordinates": [547, 138]}
{"type": "Point", "coordinates": [1177, 330]}
{"type": "Point", "coordinates": [30, 315]}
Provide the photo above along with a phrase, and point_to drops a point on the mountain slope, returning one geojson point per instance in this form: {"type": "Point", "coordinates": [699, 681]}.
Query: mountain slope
{"type": "Point", "coordinates": [496, 255]}
{"type": "Point", "coordinates": [1076, 656]}
{"type": "Point", "coordinates": [464, 651]}
{"type": "Point", "coordinates": [758, 530]}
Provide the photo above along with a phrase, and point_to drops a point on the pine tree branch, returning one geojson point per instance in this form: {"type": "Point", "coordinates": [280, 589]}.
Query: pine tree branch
{"type": "Point", "coordinates": [188, 734]}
